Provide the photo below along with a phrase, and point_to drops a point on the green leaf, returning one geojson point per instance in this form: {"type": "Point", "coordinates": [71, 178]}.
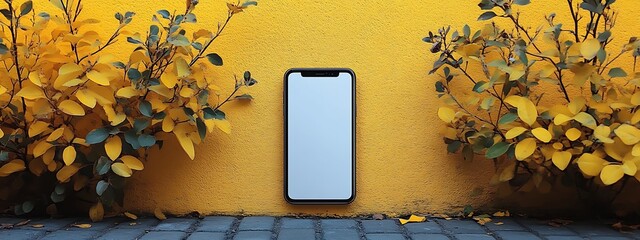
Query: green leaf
{"type": "Point", "coordinates": [134, 74]}
{"type": "Point", "coordinates": [249, 3]}
{"type": "Point", "coordinates": [26, 7]}
{"type": "Point", "coordinates": [131, 137]}
{"type": "Point", "coordinates": [190, 18]}
{"type": "Point", "coordinates": [56, 198]}
{"type": "Point", "coordinates": [245, 97]}
{"type": "Point", "coordinates": [145, 108]}
{"type": "Point", "coordinates": [103, 165]}
{"type": "Point", "coordinates": [453, 146]}
{"type": "Point", "coordinates": [119, 65]}
{"type": "Point", "coordinates": [508, 118]}
{"type": "Point", "coordinates": [59, 189]}
{"type": "Point", "coordinates": [180, 41]}
{"type": "Point", "coordinates": [604, 36]}
{"type": "Point", "coordinates": [7, 14]}
{"type": "Point", "coordinates": [133, 40]}
{"type": "Point", "coordinates": [140, 124]}
{"type": "Point", "coordinates": [154, 30]}
{"type": "Point", "coordinates": [4, 156]}
{"type": "Point", "coordinates": [487, 16]}
{"type": "Point", "coordinates": [146, 140]}
{"type": "Point", "coordinates": [101, 186]}
{"type": "Point", "coordinates": [466, 30]}
{"type": "Point", "coordinates": [97, 136]}
{"type": "Point", "coordinates": [213, 114]}
{"type": "Point", "coordinates": [481, 86]}
{"type": "Point", "coordinates": [497, 150]}
{"type": "Point", "coordinates": [27, 207]}
{"type": "Point", "coordinates": [214, 59]}
{"type": "Point", "coordinates": [202, 128]}
{"type": "Point", "coordinates": [521, 2]}
{"type": "Point", "coordinates": [165, 14]}
{"type": "Point", "coordinates": [486, 5]}
{"type": "Point", "coordinates": [617, 72]}
{"type": "Point", "coordinates": [3, 49]}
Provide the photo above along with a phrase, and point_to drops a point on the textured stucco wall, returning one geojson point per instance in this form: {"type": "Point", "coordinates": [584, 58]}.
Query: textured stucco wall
{"type": "Point", "coordinates": [402, 164]}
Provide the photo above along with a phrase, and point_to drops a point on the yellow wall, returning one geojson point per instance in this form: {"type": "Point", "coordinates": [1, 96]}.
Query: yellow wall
{"type": "Point", "coordinates": [402, 164]}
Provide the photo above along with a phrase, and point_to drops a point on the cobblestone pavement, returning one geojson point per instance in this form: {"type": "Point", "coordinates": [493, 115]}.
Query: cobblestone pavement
{"type": "Point", "coordinates": [261, 227]}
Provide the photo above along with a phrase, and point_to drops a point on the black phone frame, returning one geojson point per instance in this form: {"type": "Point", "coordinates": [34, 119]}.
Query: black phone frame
{"type": "Point", "coordinates": [320, 72]}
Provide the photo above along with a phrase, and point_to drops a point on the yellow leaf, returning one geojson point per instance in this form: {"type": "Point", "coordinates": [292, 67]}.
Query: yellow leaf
{"type": "Point", "coordinates": [47, 157]}
{"type": "Point", "coordinates": [67, 171]}
{"type": "Point", "coordinates": [31, 92]}
{"type": "Point", "coordinates": [186, 144]}
{"type": "Point", "coordinates": [3, 89]}
{"type": "Point", "coordinates": [617, 149]}
{"type": "Point", "coordinates": [34, 77]}
{"type": "Point", "coordinates": [72, 108]}
{"type": "Point", "coordinates": [41, 148]}
{"type": "Point", "coordinates": [527, 111]}
{"type": "Point", "coordinates": [96, 212]}
{"type": "Point", "coordinates": [577, 105]}
{"type": "Point", "coordinates": [561, 159]}
{"type": "Point", "coordinates": [1, 133]}
{"type": "Point", "coordinates": [630, 168]}
{"type": "Point", "coordinates": [159, 215]}
{"type": "Point", "coordinates": [590, 164]}
{"type": "Point", "coordinates": [183, 68]}
{"type": "Point", "coordinates": [113, 147]}
{"type": "Point", "coordinates": [131, 215]}
{"type": "Point", "coordinates": [635, 99]}
{"type": "Point", "coordinates": [121, 169]}
{"type": "Point", "coordinates": [542, 134]}
{"type": "Point", "coordinates": [223, 125]}
{"type": "Point", "coordinates": [80, 182]}
{"type": "Point", "coordinates": [69, 155]}
{"type": "Point", "coordinates": [602, 133]}
{"type": "Point", "coordinates": [55, 135]}
{"type": "Point", "coordinates": [127, 92]}
{"type": "Point", "coordinates": [132, 162]}
{"type": "Point", "coordinates": [557, 146]}
{"type": "Point", "coordinates": [187, 92]}
{"type": "Point", "coordinates": [586, 119]}
{"type": "Point", "coordinates": [168, 124]}
{"type": "Point", "coordinates": [514, 132]}
{"type": "Point", "coordinates": [589, 48]}
{"type": "Point", "coordinates": [561, 119]}
{"type": "Point", "coordinates": [86, 98]}
{"type": "Point", "coordinates": [611, 174]}
{"type": "Point", "coordinates": [67, 72]}
{"type": "Point", "coordinates": [169, 79]}
{"type": "Point", "coordinates": [636, 150]}
{"type": "Point", "coordinates": [73, 82]}
{"type": "Point", "coordinates": [37, 127]}
{"type": "Point", "coordinates": [412, 218]}
{"type": "Point", "coordinates": [525, 148]}
{"type": "Point", "coordinates": [573, 134]}
{"type": "Point", "coordinates": [98, 77]}
{"type": "Point", "coordinates": [446, 114]}
{"type": "Point", "coordinates": [508, 172]}
{"type": "Point", "coordinates": [84, 225]}
{"type": "Point", "coordinates": [12, 167]}
{"type": "Point", "coordinates": [629, 135]}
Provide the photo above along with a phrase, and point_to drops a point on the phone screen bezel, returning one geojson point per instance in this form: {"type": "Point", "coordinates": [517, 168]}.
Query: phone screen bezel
{"type": "Point", "coordinates": [320, 72]}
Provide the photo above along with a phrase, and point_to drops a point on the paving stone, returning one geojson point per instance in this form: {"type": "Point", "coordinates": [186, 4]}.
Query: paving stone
{"type": "Point", "coordinates": [49, 224]}
{"type": "Point", "coordinates": [296, 234]}
{"type": "Point", "coordinates": [122, 233]}
{"type": "Point", "coordinates": [424, 236]}
{"type": "Point", "coordinates": [253, 235]}
{"type": "Point", "coordinates": [423, 227]}
{"type": "Point", "coordinates": [207, 236]}
{"type": "Point", "coordinates": [338, 223]}
{"type": "Point", "coordinates": [340, 234]}
{"type": "Point", "coordinates": [140, 223]}
{"type": "Point", "coordinates": [461, 226]}
{"type": "Point", "coordinates": [95, 226]}
{"type": "Point", "coordinates": [380, 226]}
{"type": "Point", "coordinates": [474, 236]}
{"type": "Point", "coordinates": [296, 223]}
{"type": "Point", "coordinates": [216, 224]}
{"type": "Point", "coordinates": [594, 230]}
{"type": "Point", "coordinates": [575, 237]}
{"type": "Point", "coordinates": [76, 235]}
{"type": "Point", "coordinates": [175, 224]}
{"type": "Point", "coordinates": [609, 238]}
{"type": "Point", "coordinates": [515, 235]}
{"type": "Point", "coordinates": [257, 223]}
{"type": "Point", "coordinates": [20, 234]}
{"type": "Point", "coordinates": [10, 220]}
{"type": "Point", "coordinates": [542, 228]}
{"type": "Point", "coordinates": [508, 224]}
{"type": "Point", "coordinates": [385, 236]}
{"type": "Point", "coordinates": [164, 235]}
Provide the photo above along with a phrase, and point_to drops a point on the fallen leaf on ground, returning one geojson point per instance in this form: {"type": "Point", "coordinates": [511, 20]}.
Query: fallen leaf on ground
{"type": "Point", "coordinates": [159, 215]}
{"type": "Point", "coordinates": [22, 223]}
{"type": "Point", "coordinates": [378, 216]}
{"type": "Point", "coordinates": [133, 223]}
{"type": "Point", "coordinates": [559, 222]}
{"type": "Point", "coordinates": [625, 228]}
{"type": "Point", "coordinates": [498, 223]}
{"type": "Point", "coordinates": [6, 225]}
{"type": "Point", "coordinates": [412, 218]}
{"type": "Point", "coordinates": [482, 219]}
{"type": "Point", "coordinates": [131, 215]}
{"type": "Point", "coordinates": [444, 216]}
{"type": "Point", "coordinates": [502, 214]}
{"type": "Point", "coordinates": [37, 226]}
{"type": "Point", "coordinates": [84, 225]}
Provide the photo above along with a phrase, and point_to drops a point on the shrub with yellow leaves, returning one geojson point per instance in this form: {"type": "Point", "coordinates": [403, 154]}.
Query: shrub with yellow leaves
{"type": "Point", "coordinates": [76, 122]}
{"type": "Point", "coordinates": [588, 132]}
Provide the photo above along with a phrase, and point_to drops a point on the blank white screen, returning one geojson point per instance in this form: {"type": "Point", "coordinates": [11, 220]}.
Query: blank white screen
{"type": "Point", "coordinates": [319, 137]}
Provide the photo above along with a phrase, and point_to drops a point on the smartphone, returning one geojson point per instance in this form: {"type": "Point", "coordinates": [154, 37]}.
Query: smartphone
{"type": "Point", "coordinates": [319, 136]}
